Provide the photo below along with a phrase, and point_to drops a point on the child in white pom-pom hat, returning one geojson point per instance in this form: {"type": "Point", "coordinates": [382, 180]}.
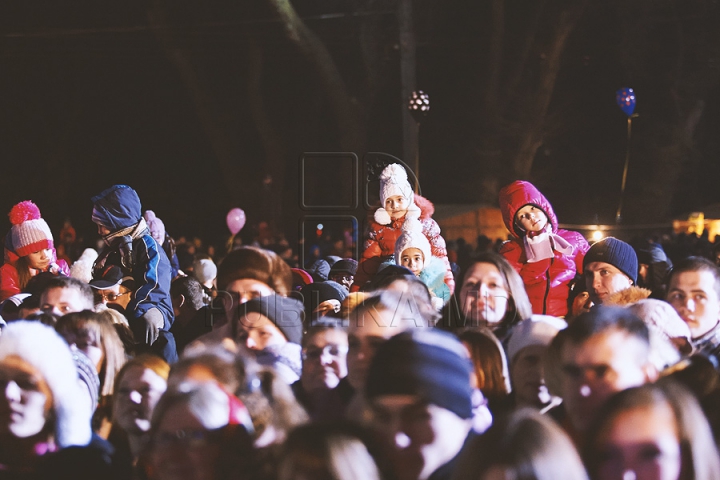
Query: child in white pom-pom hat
{"type": "Point", "coordinates": [399, 203]}
{"type": "Point", "coordinates": [413, 251]}
{"type": "Point", "coordinates": [29, 250]}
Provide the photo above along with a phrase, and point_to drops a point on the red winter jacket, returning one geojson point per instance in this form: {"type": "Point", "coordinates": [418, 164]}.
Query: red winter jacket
{"type": "Point", "coordinates": [9, 282]}
{"type": "Point", "coordinates": [546, 282]}
{"type": "Point", "coordinates": [381, 238]}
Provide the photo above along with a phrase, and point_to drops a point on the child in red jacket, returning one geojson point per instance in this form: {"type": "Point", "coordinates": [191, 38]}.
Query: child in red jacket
{"type": "Point", "coordinates": [399, 203]}
{"type": "Point", "coordinates": [29, 250]}
{"type": "Point", "coordinates": [546, 258]}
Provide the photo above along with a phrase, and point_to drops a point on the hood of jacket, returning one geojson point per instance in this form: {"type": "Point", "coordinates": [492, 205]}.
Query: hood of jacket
{"type": "Point", "coordinates": [117, 207]}
{"type": "Point", "coordinates": [518, 194]}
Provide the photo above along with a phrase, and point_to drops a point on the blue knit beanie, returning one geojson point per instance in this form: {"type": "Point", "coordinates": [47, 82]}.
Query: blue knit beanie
{"type": "Point", "coordinates": [615, 252]}
{"type": "Point", "coordinates": [428, 363]}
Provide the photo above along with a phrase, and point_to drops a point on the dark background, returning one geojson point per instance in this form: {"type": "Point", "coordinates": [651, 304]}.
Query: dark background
{"type": "Point", "coordinates": [194, 104]}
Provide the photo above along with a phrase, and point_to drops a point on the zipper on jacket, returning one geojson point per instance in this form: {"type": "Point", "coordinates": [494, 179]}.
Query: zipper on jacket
{"type": "Point", "coordinates": [547, 286]}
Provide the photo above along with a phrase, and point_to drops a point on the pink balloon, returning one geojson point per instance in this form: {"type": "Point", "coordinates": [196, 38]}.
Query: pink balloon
{"type": "Point", "coordinates": [235, 220]}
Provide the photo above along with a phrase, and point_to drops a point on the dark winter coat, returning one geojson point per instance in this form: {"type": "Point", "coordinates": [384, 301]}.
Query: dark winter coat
{"type": "Point", "coordinates": [546, 281]}
{"type": "Point", "coordinates": [118, 208]}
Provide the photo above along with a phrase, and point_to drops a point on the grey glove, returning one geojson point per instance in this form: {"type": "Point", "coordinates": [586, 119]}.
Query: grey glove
{"type": "Point", "coordinates": [154, 322]}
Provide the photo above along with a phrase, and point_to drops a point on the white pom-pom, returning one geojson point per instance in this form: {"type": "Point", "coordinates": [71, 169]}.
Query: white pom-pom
{"type": "Point", "coordinates": [412, 225]}
{"type": "Point", "coordinates": [382, 217]}
{"type": "Point", "coordinates": [394, 171]}
{"type": "Point", "coordinates": [413, 212]}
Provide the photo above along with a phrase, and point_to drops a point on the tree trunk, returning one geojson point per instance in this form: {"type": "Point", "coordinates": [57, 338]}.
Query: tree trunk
{"type": "Point", "coordinates": [346, 111]}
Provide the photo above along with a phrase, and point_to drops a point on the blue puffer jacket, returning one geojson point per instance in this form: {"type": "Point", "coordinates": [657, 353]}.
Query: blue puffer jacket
{"type": "Point", "coordinates": [118, 208]}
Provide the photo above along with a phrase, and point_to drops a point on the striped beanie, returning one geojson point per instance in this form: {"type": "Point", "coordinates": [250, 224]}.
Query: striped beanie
{"type": "Point", "coordinates": [29, 232]}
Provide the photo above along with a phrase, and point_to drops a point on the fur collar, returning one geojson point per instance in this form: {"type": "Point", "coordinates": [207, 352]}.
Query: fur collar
{"type": "Point", "coordinates": [627, 296]}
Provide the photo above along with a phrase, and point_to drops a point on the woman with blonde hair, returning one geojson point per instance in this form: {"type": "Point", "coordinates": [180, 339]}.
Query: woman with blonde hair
{"type": "Point", "coordinates": [526, 445]}
{"type": "Point", "coordinates": [95, 336]}
{"type": "Point", "coordinates": [138, 388]}
{"type": "Point", "coordinates": [656, 431]}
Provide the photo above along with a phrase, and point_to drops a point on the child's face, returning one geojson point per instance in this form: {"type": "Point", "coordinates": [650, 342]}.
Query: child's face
{"type": "Point", "coordinates": [41, 259]}
{"type": "Point", "coordinates": [531, 218]}
{"type": "Point", "coordinates": [396, 206]}
{"type": "Point", "coordinates": [413, 259]}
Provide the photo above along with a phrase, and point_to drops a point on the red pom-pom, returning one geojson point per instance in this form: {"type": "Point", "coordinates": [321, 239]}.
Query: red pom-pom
{"type": "Point", "coordinates": [24, 211]}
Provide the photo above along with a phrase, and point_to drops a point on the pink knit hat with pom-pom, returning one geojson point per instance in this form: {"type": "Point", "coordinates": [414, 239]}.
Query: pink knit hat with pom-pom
{"type": "Point", "coordinates": [29, 232]}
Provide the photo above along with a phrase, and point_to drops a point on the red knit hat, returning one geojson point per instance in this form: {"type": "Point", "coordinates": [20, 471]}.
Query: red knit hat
{"type": "Point", "coordinates": [29, 232]}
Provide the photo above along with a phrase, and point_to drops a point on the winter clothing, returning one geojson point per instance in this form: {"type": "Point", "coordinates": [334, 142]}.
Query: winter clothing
{"type": "Point", "coordinates": [433, 271]}
{"type": "Point", "coordinates": [546, 262]}
{"type": "Point", "coordinates": [318, 292]}
{"type": "Point", "coordinates": [41, 347]}
{"type": "Point", "coordinates": [286, 313]}
{"type": "Point", "coordinates": [157, 231]}
{"type": "Point", "coordinates": [615, 252]}
{"type": "Point", "coordinates": [346, 265]}
{"type": "Point", "coordinates": [394, 181]}
{"type": "Point", "coordinates": [131, 247]}
{"type": "Point", "coordinates": [536, 330]}
{"type": "Point", "coordinates": [87, 374]}
{"type": "Point", "coordinates": [29, 234]}
{"type": "Point", "coordinates": [258, 264]}
{"type": "Point", "coordinates": [433, 276]}
{"type": "Point", "coordinates": [300, 278]}
{"type": "Point", "coordinates": [382, 236]}
{"type": "Point", "coordinates": [82, 267]}
{"type": "Point", "coordinates": [429, 363]}
{"type": "Point", "coordinates": [412, 237]}
{"type": "Point", "coordinates": [669, 334]}
{"type": "Point", "coordinates": [319, 270]}
{"type": "Point", "coordinates": [204, 270]}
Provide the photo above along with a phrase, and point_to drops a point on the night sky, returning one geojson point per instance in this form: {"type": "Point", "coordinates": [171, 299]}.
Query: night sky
{"type": "Point", "coordinates": [90, 97]}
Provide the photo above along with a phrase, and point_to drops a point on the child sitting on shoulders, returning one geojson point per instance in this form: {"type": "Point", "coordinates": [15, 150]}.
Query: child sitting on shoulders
{"type": "Point", "coordinates": [547, 258]}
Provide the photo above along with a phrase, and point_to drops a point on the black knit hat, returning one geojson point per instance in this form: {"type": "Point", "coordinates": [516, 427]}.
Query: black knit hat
{"type": "Point", "coordinates": [615, 252]}
{"type": "Point", "coordinates": [428, 363]}
{"type": "Point", "coordinates": [286, 313]}
{"type": "Point", "coordinates": [346, 265]}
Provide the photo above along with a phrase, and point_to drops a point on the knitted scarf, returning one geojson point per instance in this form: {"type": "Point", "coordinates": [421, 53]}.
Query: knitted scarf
{"type": "Point", "coordinates": [540, 245]}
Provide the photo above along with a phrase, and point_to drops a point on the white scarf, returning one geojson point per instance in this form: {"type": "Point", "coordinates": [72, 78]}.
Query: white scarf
{"type": "Point", "coordinates": [540, 247]}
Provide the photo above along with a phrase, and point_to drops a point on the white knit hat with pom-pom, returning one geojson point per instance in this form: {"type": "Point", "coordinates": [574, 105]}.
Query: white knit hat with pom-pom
{"type": "Point", "coordinates": [412, 237]}
{"type": "Point", "coordinates": [29, 232]}
{"type": "Point", "coordinates": [46, 351]}
{"type": "Point", "coordinates": [394, 181]}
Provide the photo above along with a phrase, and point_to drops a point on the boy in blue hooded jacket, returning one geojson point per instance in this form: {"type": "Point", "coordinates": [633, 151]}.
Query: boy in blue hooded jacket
{"type": "Point", "coordinates": [118, 215]}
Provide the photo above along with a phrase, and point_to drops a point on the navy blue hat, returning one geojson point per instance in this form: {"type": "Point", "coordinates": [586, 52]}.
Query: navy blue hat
{"type": "Point", "coordinates": [117, 207]}
{"type": "Point", "coordinates": [615, 252]}
{"type": "Point", "coordinates": [428, 363]}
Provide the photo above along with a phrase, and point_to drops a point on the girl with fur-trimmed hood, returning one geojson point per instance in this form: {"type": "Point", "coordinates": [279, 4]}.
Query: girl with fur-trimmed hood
{"type": "Point", "coordinates": [399, 203]}
{"type": "Point", "coordinates": [547, 258]}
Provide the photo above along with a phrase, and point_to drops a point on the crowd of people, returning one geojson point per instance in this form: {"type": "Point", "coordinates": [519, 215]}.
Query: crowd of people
{"type": "Point", "coordinates": [544, 358]}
